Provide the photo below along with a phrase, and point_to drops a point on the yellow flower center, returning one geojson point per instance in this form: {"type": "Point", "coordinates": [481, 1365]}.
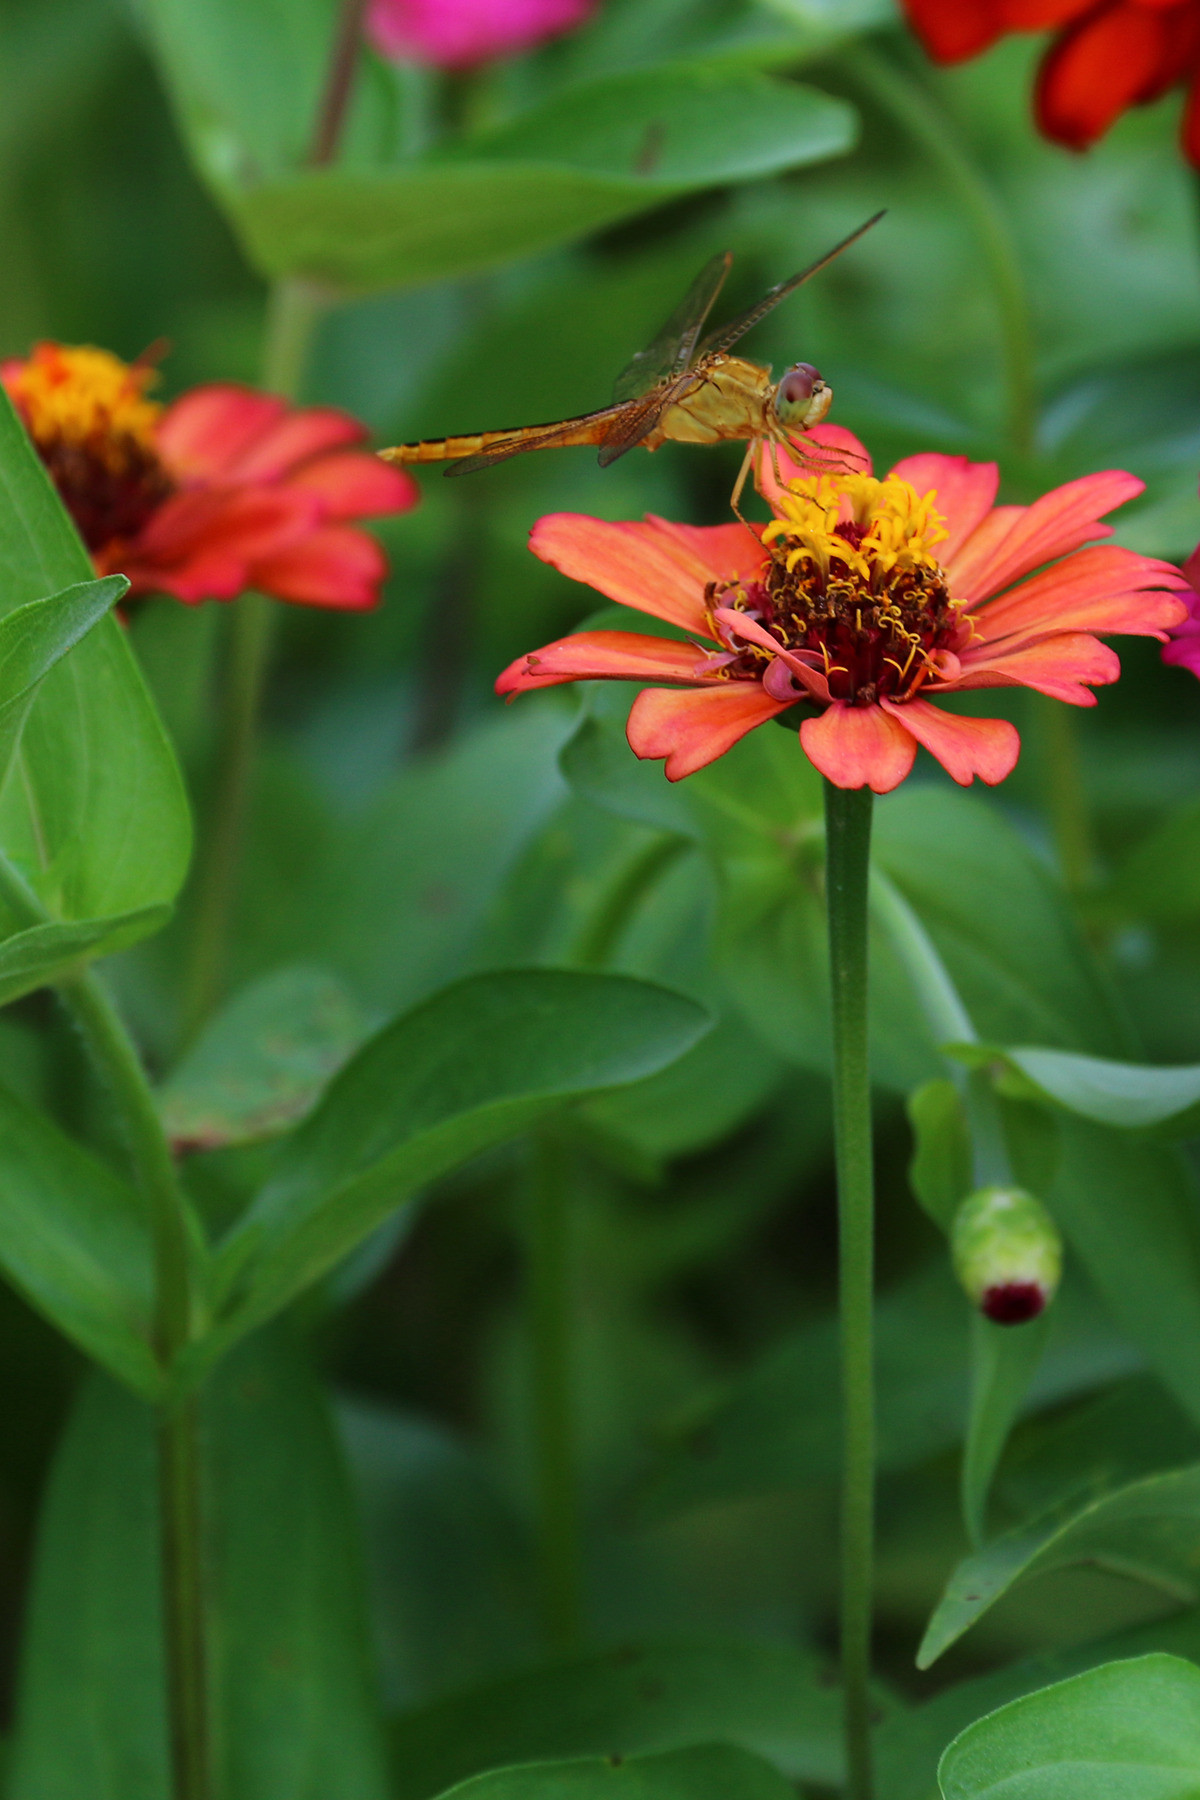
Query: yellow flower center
{"type": "Point", "coordinates": [94, 428]}
{"type": "Point", "coordinates": [854, 584]}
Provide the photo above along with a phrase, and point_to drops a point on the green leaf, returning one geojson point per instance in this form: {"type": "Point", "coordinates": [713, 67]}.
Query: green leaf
{"type": "Point", "coordinates": [293, 1688]}
{"type": "Point", "coordinates": [37, 636]}
{"type": "Point", "coordinates": [1161, 878]}
{"type": "Point", "coordinates": [1004, 1361]}
{"type": "Point", "coordinates": [262, 1062]}
{"type": "Point", "coordinates": [765, 1698]}
{"type": "Point", "coordinates": [1148, 1530]}
{"type": "Point", "coordinates": [478, 1063]}
{"type": "Point", "coordinates": [704, 1772]}
{"type": "Point", "coordinates": [43, 953]}
{"type": "Point", "coordinates": [74, 1242]}
{"type": "Point", "coordinates": [93, 811]}
{"type": "Point", "coordinates": [600, 152]}
{"type": "Point", "coordinates": [1128, 1096]}
{"type": "Point", "coordinates": [1128, 1728]}
{"type": "Point", "coordinates": [1127, 1207]}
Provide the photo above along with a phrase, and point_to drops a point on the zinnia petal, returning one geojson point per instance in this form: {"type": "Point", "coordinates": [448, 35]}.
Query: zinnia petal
{"type": "Point", "coordinates": [692, 730]}
{"type": "Point", "coordinates": [203, 430]}
{"type": "Point", "coordinates": [965, 747]}
{"type": "Point", "coordinates": [456, 34]}
{"type": "Point", "coordinates": [1103, 589]}
{"type": "Point", "coordinates": [966, 492]}
{"type": "Point", "coordinates": [952, 30]}
{"type": "Point", "coordinates": [859, 746]}
{"type": "Point", "coordinates": [306, 432]}
{"type": "Point", "coordinates": [351, 484]}
{"type": "Point", "coordinates": [605, 656]}
{"type": "Point", "coordinates": [1108, 61]}
{"type": "Point", "coordinates": [638, 563]}
{"type": "Point", "coordinates": [1054, 525]}
{"type": "Point", "coordinates": [1057, 666]}
{"type": "Point", "coordinates": [334, 566]}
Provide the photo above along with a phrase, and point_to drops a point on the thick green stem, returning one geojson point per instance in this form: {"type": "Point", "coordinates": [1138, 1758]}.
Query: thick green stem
{"type": "Point", "coordinates": [548, 1273]}
{"type": "Point", "coordinates": [913, 107]}
{"type": "Point", "coordinates": [847, 868]}
{"type": "Point", "coordinates": [179, 1454]}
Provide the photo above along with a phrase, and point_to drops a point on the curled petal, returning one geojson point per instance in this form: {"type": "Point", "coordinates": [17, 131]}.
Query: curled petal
{"type": "Point", "coordinates": [692, 730]}
{"type": "Point", "coordinates": [1054, 525]}
{"type": "Point", "coordinates": [202, 431]}
{"type": "Point", "coordinates": [351, 484]}
{"type": "Point", "coordinates": [859, 746]}
{"type": "Point", "coordinates": [333, 566]}
{"type": "Point", "coordinates": [608, 656]}
{"type": "Point", "coordinates": [738, 625]}
{"type": "Point", "coordinates": [1058, 666]}
{"type": "Point", "coordinates": [1101, 589]}
{"type": "Point", "coordinates": [965, 492]}
{"type": "Point", "coordinates": [952, 30]}
{"type": "Point", "coordinates": [645, 564]}
{"type": "Point", "coordinates": [965, 747]}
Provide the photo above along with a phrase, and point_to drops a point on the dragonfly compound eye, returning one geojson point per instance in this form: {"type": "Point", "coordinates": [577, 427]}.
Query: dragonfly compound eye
{"type": "Point", "coordinates": [802, 397]}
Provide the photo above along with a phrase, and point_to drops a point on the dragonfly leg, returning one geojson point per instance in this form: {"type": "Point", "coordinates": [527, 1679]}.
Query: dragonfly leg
{"type": "Point", "coordinates": [739, 484]}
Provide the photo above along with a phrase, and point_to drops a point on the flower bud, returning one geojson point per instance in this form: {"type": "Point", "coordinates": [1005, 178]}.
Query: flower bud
{"type": "Point", "coordinates": [1007, 1253]}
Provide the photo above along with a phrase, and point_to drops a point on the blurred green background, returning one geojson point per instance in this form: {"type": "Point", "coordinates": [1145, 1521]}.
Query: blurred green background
{"type": "Point", "coordinates": [407, 827]}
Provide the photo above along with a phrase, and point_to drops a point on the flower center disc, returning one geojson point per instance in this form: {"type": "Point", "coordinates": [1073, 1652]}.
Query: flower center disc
{"type": "Point", "coordinates": [853, 585]}
{"type": "Point", "coordinates": [94, 428]}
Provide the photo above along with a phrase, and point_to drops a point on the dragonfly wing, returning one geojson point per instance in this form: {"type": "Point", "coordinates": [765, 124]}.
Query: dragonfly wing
{"type": "Point", "coordinates": [675, 344]}
{"type": "Point", "coordinates": [590, 429]}
{"type": "Point", "coordinates": [729, 334]}
{"type": "Point", "coordinates": [635, 421]}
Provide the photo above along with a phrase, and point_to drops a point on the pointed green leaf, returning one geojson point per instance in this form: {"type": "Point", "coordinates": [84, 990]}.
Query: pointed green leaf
{"type": "Point", "coordinates": [1122, 1095]}
{"type": "Point", "coordinates": [706, 1772]}
{"type": "Point", "coordinates": [1129, 1728]}
{"type": "Point", "coordinates": [478, 1063]}
{"type": "Point", "coordinates": [74, 1241]}
{"type": "Point", "coordinates": [34, 638]}
{"type": "Point", "coordinates": [263, 1061]}
{"type": "Point", "coordinates": [1149, 1530]}
{"type": "Point", "coordinates": [293, 1688]}
{"type": "Point", "coordinates": [93, 812]}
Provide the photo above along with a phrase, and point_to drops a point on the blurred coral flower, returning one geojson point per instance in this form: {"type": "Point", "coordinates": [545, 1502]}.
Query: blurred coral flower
{"type": "Point", "coordinates": [1109, 55]}
{"type": "Point", "coordinates": [1184, 647]}
{"type": "Point", "coordinates": [867, 599]}
{"type": "Point", "coordinates": [226, 489]}
{"type": "Point", "coordinates": [457, 34]}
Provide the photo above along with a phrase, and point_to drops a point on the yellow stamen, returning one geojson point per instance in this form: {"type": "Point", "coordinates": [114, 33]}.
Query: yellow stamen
{"type": "Point", "coordinates": [86, 397]}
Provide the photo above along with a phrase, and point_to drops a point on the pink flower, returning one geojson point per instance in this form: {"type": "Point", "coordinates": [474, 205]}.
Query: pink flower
{"type": "Point", "coordinates": [455, 34]}
{"type": "Point", "coordinates": [866, 599]}
{"type": "Point", "coordinates": [227, 489]}
{"type": "Point", "coordinates": [1184, 647]}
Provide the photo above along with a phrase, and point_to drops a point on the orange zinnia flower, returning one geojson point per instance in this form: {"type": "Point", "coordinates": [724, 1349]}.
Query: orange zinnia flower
{"type": "Point", "coordinates": [1109, 55]}
{"type": "Point", "coordinates": [866, 599]}
{"type": "Point", "coordinates": [226, 489]}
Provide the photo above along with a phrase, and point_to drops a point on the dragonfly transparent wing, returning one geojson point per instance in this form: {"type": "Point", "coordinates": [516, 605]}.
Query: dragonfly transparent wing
{"type": "Point", "coordinates": [633, 422]}
{"type": "Point", "coordinates": [728, 335]}
{"type": "Point", "coordinates": [674, 347]}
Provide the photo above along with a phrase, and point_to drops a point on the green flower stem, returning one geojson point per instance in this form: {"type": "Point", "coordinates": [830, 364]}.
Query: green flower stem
{"type": "Point", "coordinates": [550, 1306]}
{"type": "Point", "coordinates": [914, 109]}
{"type": "Point", "coordinates": [847, 865]}
{"type": "Point", "coordinates": [172, 1229]}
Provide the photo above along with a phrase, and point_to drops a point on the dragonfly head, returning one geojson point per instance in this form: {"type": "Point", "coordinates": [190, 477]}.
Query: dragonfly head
{"type": "Point", "coordinates": [802, 397]}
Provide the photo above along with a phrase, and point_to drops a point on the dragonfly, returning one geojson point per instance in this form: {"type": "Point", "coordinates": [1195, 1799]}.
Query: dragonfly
{"type": "Point", "coordinates": [681, 388]}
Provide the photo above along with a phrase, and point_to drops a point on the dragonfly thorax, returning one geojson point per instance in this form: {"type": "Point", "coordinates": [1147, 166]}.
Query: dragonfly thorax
{"type": "Point", "coordinates": [802, 397]}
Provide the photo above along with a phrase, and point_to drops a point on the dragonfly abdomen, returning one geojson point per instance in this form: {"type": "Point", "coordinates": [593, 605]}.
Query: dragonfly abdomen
{"type": "Point", "coordinates": [589, 428]}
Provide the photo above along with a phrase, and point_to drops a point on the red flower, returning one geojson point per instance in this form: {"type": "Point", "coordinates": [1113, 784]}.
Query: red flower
{"type": "Point", "coordinates": [865, 599]}
{"type": "Point", "coordinates": [1109, 55]}
{"type": "Point", "coordinates": [457, 34]}
{"type": "Point", "coordinates": [1184, 648]}
{"type": "Point", "coordinates": [224, 490]}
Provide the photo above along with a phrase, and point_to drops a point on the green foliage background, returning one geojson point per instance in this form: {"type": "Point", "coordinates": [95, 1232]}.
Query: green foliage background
{"type": "Point", "coordinates": [407, 832]}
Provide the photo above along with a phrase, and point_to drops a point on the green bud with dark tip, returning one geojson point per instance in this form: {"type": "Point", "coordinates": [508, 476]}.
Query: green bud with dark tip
{"type": "Point", "coordinates": [1007, 1253]}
